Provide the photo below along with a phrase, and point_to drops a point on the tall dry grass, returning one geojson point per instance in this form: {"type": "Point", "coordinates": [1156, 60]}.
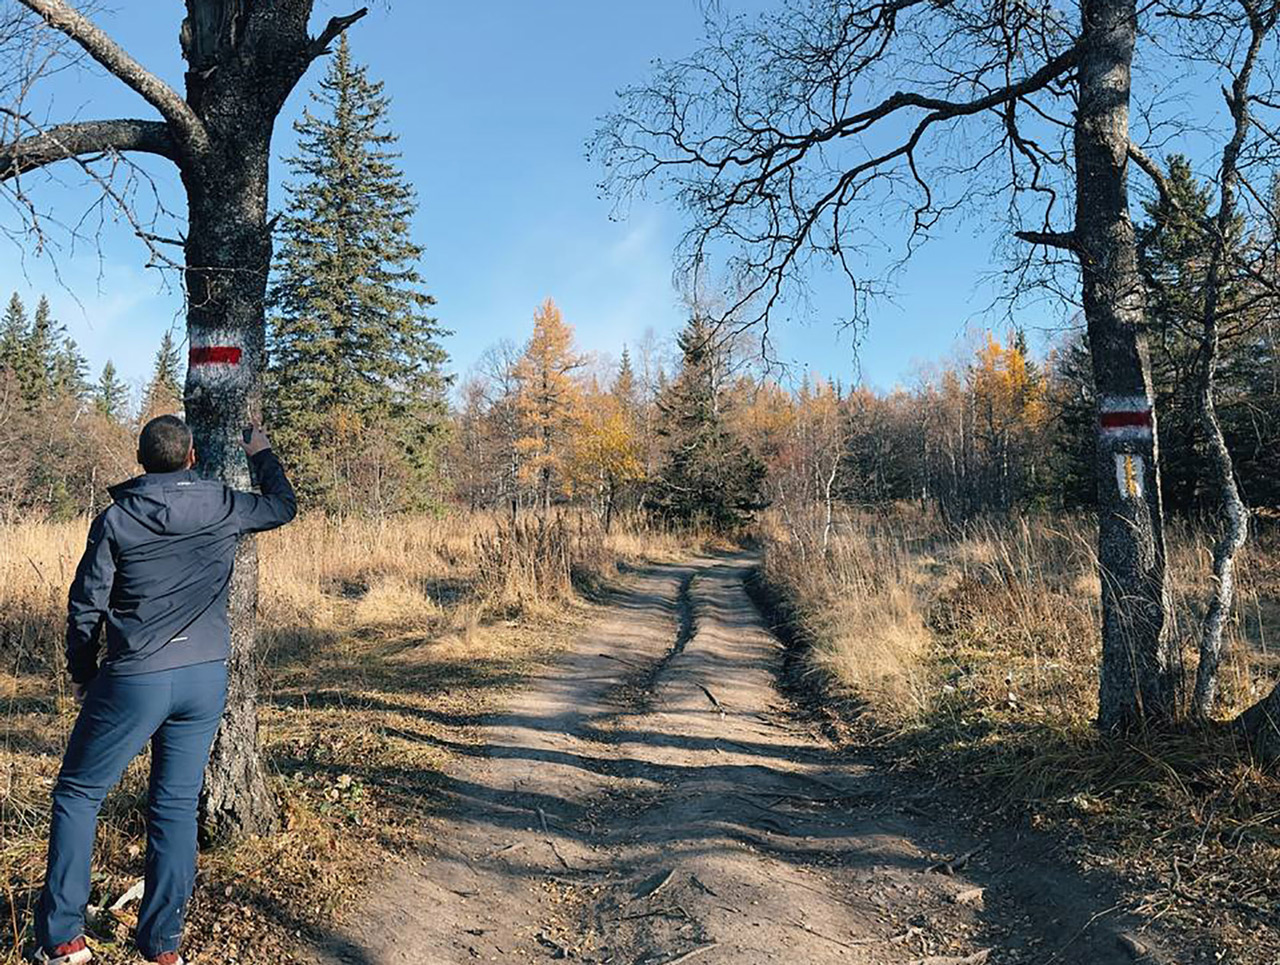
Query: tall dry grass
{"type": "Point", "coordinates": [1000, 616]}
{"type": "Point", "coordinates": [405, 571]}
{"type": "Point", "coordinates": [858, 604]}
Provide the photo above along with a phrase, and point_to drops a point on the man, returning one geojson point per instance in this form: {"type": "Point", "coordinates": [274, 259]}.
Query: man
{"type": "Point", "coordinates": [157, 573]}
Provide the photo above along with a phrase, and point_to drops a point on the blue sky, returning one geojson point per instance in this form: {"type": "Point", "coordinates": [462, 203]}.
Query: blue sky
{"type": "Point", "coordinates": [494, 102]}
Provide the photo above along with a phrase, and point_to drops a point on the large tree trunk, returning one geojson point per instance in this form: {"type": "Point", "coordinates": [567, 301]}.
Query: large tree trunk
{"type": "Point", "coordinates": [1137, 676]}
{"type": "Point", "coordinates": [241, 68]}
{"type": "Point", "coordinates": [228, 255]}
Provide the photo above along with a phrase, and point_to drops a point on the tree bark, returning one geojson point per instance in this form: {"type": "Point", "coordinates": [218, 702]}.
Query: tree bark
{"type": "Point", "coordinates": [1234, 534]}
{"type": "Point", "coordinates": [242, 66]}
{"type": "Point", "coordinates": [1137, 681]}
{"type": "Point", "coordinates": [228, 257]}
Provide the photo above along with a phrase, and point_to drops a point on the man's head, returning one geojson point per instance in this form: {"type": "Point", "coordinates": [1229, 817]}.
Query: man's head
{"type": "Point", "coordinates": [165, 445]}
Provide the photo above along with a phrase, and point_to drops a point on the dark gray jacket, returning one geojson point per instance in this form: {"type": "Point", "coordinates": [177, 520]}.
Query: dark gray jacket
{"type": "Point", "coordinates": [157, 569]}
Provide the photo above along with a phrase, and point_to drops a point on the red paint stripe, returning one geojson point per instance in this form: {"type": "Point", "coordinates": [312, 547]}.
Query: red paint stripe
{"type": "Point", "coordinates": [204, 354]}
{"type": "Point", "coordinates": [1123, 420]}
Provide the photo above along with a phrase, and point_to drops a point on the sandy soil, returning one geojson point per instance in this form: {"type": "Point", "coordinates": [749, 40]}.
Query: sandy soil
{"type": "Point", "coordinates": [654, 799]}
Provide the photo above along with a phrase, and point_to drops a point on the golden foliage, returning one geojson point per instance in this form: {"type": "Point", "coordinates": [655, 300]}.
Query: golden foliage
{"type": "Point", "coordinates": [605, 451]}
{"type": "Point", "coordinates": [548, 398]}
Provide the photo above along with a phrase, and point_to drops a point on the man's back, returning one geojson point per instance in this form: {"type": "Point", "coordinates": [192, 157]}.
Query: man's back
{"type": "Point", "coordinates": [157, 570]}
{"type": "Point", "coordinates": [156, 573]}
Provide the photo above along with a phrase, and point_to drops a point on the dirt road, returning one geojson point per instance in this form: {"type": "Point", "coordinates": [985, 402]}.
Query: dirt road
{"type": "Point", "coordinates": [655, 799]}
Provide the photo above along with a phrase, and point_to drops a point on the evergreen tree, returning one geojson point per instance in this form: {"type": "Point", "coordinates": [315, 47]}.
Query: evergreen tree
{"type": "Point", "coordinates": [708, 476]}
{"type": "Point", "coordinates": [14, 328]}
{"type": "Point", "coordinates": [1172, 251]}
{"type": "Point", "coordinates": [70, 371]}
{"type": "Point", "coordinates": [164, 390]}
{"type": "Point", "coordinates": [1174, 246]}
{"type": "Point", "coordinates": [355, 357]}
{"type": "Point", "coordinates": [45, 362]}
{"type": "Point", "coordinates": [111, 395]}
{"type": "Point", "coordinates": [42, 343]}
{"type": "Point", "coordinates": [624, 387]}
{"type": "Point", "coordinates": [1073, 412]}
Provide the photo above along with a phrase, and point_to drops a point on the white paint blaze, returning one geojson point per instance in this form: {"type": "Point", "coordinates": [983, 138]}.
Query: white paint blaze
{"type": "Point", "coordinates": [1124, 403]}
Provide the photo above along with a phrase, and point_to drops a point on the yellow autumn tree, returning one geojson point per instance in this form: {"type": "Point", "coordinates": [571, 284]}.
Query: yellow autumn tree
{"type": "Point", "coordinates": [606, 453]}
{"type": "Point", "coordinates": [1010, 410]}
{"type": "Point", "coordinates": [801, 436]}
{"type": "Point", "coordinates": [764, 418]}
{"type": "Point", "coordinates": [548, 401]}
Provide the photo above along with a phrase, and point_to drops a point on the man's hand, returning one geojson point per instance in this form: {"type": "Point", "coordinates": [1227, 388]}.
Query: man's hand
{"type": "Point", "coordinates": [256, 442]}
{"type": "Point", "coordinates": [78, 692]}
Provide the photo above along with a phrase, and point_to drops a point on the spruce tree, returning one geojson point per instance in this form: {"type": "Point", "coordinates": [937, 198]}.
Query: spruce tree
{"type": "Point", "coordinates": [14, 327]}
{"type": "Point", "coordinates": [70, 371]}
{"type": "Point", "coordinates": [624, 387]}
{"type": "Point", "coordinates": [1073, 410]}
{"type": "Point", "coordinates": [1172, 252]}
{"type": "Point", "coordinates": [708, 476]}
{"type": "Point", "coordinates": [355, 359]}
{"type": "Point", "coordinates": [42, 344]}
{"type": "Point", "coordinates": [111, 396]}
{"type": "Point", "coordinates": [163, 395]}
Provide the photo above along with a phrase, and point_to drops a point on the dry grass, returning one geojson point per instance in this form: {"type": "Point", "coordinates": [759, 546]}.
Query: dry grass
{"type": "Point", "coordinates": [920, 620]}
{"type": "Point", "coordinates": [860, 610]}
{"type": "Point", "coordinates": [973, 658]}
{"type": "Point", "coordinates": [382, 643]}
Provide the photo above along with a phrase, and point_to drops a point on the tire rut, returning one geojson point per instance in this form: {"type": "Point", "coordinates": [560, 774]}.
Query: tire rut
{"type": "Point", "coordinates": [636, 692]}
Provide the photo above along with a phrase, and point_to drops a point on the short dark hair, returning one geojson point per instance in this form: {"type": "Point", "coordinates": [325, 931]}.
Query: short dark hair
{"type": "Point", "coordinates": [164, 444]}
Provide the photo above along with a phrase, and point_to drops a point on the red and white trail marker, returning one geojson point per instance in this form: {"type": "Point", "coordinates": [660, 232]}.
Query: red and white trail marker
{"type": "Point", "coordinates": [1125, 417]}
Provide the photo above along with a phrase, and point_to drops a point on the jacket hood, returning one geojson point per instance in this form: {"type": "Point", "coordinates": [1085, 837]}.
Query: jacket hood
{"type": "Point", "coordinates": [172, 503]}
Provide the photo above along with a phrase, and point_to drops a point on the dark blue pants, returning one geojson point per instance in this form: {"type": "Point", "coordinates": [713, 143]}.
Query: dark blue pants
{"type": "Point", "coordinates": [178, 712]}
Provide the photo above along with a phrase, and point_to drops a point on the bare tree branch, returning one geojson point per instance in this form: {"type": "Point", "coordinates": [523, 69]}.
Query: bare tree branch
{"type": "Point", "coordinates": [1154, 172]}
{"type": "Point", "coordinates": [66, 141]}
{"type": "Point", "coordinates": [1065, 240]}
{"type": "Point", "coordinates": [781, 131]}
{"type": "Point", "coordinates": [187, 126]}
{"type": "Point", "coordinates": [333, 30]}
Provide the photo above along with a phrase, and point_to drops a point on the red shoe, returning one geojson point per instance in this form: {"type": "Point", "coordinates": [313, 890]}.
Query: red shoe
{"type": "Point", "coordinates": [168, 958]}
{"type": "Point", "coordinates": [74, 952]}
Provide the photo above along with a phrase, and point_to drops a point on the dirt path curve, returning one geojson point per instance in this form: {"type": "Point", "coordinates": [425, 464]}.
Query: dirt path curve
{"type": "Point", "coordinates": [653, 799]}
